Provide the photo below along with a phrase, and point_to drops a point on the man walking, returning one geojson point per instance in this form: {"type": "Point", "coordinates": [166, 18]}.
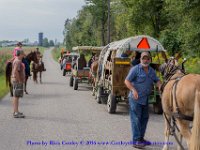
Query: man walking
{"type": "Point", "coordinates": [140, 81]}
{"type": "Point", "coordinates": [18, 79]}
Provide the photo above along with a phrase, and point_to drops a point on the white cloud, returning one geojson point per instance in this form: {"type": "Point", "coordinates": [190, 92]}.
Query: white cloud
{"type": "Point", "coordinates": [26, 18]}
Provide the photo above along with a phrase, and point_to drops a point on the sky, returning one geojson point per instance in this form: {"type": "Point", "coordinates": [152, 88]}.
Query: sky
{"type": "Point", "coordinates": [22, 19]}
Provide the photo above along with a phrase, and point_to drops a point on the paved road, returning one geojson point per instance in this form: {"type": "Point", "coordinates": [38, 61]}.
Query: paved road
{"type": "Point", "coordinates": [55, 113]}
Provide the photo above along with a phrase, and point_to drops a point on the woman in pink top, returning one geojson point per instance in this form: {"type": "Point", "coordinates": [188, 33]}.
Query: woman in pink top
{"type": "Point", "coordinates": [19, 47]}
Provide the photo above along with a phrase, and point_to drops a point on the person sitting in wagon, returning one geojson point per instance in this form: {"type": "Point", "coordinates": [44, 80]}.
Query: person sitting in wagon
{"type": "Point", "coordinates": [91, 60]}
{"type": "Point", "coordinates": [126, 54]}
{"type": "Point", "coordinates": [74, 59]}
{"type": "Point", "coordinates": [63, 61]}
{"type": "Point", "coordinates": [136, 60]}
{"type": "Point", "coordinates": [81, 62]}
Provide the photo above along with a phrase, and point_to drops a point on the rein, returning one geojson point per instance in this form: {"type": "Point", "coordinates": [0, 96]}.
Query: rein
{"type": "Point", "coordinates": [168, 78]}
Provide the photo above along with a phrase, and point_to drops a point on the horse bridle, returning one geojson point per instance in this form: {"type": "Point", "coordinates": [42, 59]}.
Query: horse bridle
{"type": "Point", "coordinates": [171, 70]}
{"type": "Point", "coordinates": [168, 77]}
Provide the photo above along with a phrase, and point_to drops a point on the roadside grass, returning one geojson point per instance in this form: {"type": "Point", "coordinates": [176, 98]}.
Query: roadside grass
{"type": "Point", "coordinates": [3, 88]}
{"type": "Point", "coordinates": [42, 49]}
{"type": "Point", "coordinates": [56, 53]}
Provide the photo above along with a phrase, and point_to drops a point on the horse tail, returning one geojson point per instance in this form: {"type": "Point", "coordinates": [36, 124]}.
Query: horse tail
{"type": "Point", "coordinates": [8, 73]}
{"type": "Point", "coordinates": [195, 137]}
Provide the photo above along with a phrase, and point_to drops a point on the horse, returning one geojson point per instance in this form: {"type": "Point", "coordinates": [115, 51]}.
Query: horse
{"type": "Point", "coordinates": [38, 67]}
{"type": "Point", "coordinates": [93, 74]}
{"type": "Point", "coordinates": [181, 104]}
{"type": "Point", "coordinates": [32, 56]}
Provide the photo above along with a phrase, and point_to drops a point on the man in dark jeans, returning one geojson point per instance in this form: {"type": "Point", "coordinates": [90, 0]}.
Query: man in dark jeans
{"type": "Point", "coordinates": [140, 82]}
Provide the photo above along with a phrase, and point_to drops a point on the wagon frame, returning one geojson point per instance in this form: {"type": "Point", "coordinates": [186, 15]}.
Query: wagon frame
{"type": "Point", "coordinates": [113, 69]}
{"type": "Point", "coordinates": [68, 65]}
{"type": "Point", "coordinates": [82, 75]}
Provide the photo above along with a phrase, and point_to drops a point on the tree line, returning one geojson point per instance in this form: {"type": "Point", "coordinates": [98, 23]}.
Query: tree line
{"type": "Point", "coordinates": [176, 24]}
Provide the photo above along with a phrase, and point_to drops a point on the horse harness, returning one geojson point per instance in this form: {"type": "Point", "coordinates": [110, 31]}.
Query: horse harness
{"type": "Point", "coordinates": [177, 114]}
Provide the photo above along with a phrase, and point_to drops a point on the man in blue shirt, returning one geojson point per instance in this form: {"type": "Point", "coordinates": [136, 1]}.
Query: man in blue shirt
{"type": "Point", "coordinates": [140, 81]}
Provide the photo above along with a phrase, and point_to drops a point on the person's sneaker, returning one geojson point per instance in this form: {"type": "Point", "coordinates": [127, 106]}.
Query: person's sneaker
{"type": "Point", "coordinates": [18, 115]}
{"type": "Point", "coordinates": [25, 92]}
{"type": "Point", "coordinates": [139, 144]}
{"type": "Point", "coordinates": [146, 142]}
{"type": "Point", "coordinates": [21, 113]}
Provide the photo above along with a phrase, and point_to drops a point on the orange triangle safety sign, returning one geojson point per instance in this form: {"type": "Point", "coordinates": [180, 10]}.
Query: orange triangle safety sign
{"type": "Point", "coordinates": [144, 44]}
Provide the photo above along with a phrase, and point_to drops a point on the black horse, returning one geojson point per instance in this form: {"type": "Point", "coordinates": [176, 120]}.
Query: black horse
{"type": "Point", "coordinates": [32, 56]}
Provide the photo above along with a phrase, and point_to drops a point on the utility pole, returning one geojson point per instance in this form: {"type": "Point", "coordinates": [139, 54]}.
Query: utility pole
{"type": "Point", "coordinates": [108, 33]}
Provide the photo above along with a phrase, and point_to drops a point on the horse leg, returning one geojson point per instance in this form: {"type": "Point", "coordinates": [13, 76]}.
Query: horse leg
{"type": "Point", "coordinates": [35, 76]}
{"type": "Point", "coordinates": [93, 86]}
{"type": "Point", "coordinates": [25, 85]}
{"type": "Point", "coordinates": [41, 77]}
{"type": "Point", "coordinates": [184, 130]}
{"type": "Point", "coordinates": [167, 131]}
{"type": "Point", "coordinates": [11, 89]}
{"type": "Point", "coordinates": [36, 80]}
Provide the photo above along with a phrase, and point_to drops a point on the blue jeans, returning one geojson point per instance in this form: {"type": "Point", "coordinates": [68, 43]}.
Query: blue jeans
{"type": "Point", "coordinates": [139, 116]}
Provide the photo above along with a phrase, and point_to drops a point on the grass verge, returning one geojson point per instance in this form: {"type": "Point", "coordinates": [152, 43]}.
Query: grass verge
{"type": "Point", "coordinates": [3, 88]}
{"type": "Point", "coordinates": [56, 53]}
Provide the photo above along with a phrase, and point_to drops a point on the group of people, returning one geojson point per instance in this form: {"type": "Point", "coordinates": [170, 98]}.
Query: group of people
{"type": "Point", "coordinates": [64, 58]}
{"type": "Point", "coordinates": [20, 73]}
{"type": "Point", "coordinates": [139, 81]}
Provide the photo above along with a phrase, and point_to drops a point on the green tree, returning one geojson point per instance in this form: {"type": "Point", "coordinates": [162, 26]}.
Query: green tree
{"type": "Point", "coordinates": [45, 42]}
{"type": "Point", "coordinates": [99, 11]}
{"type": "Point", "coordinates": [146, 16]}
{"type": "Point", "coordinates": [51, 43]}
{"type": "Point", "coordinates": [174, 23]}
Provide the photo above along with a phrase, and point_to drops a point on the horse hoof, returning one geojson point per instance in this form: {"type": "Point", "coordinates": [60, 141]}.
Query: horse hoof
{"type": "Point", "coordinates": [25, 92]}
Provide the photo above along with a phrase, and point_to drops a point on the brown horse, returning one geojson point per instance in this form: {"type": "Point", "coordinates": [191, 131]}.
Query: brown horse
{"type": "Point", "coordinates": [38, 67]}
{"type": "Point", "coordinates": [181, 104]}
{"type": "Point", "coordinates": [32, 56]}
{"type": "Point", "coordinates": [93, 72]}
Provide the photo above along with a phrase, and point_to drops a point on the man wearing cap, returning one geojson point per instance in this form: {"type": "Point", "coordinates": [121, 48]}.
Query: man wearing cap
{"type": "Point", "coordinates": [18, 79]}
{"type": "Point", "coordinates": [140, 81]}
